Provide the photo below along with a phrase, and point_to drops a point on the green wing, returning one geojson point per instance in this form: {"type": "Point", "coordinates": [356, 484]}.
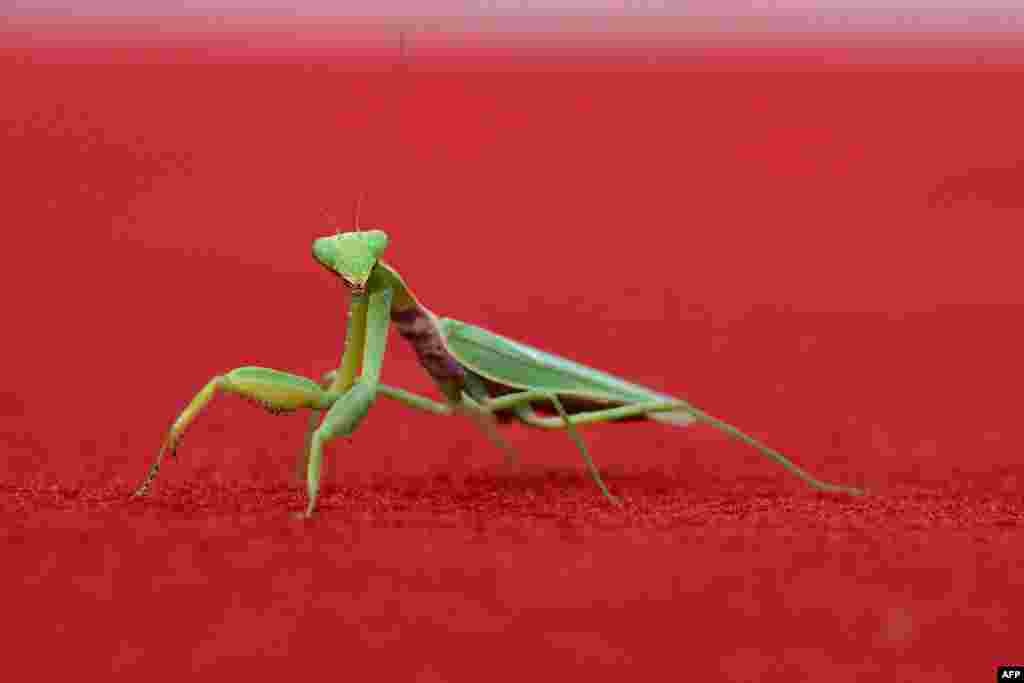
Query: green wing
{"type": "Point", "coordinates": [523, 367]}
{"type": "Point", "coordinates": [519, 366]}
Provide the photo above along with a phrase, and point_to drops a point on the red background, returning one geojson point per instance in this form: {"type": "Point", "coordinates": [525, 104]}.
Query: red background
{"type": "Point", "coordinates": [825, 256]}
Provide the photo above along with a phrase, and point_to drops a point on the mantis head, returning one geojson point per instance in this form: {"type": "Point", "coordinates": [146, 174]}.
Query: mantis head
{"type": "Point", "coordinates": [351, 255]}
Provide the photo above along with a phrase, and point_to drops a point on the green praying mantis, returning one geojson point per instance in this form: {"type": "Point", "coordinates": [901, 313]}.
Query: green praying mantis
{"type": "Point", "coordinates": [481, 375]}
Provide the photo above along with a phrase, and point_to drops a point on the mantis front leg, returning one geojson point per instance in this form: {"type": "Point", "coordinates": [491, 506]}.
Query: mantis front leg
{"type": "Point", "coordinates": [341, 379]}
{"type": "Point", "coordinates": [348, 411]}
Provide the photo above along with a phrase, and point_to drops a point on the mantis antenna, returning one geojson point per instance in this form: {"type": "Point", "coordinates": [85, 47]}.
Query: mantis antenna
{"type": "Point", "coordinates": [355, 213]}
{"type": "Point", "coordinates": [332, 221]}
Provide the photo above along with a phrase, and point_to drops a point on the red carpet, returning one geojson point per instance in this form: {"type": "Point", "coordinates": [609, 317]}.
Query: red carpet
{"type": "Point", "coordinates": [827, 258]}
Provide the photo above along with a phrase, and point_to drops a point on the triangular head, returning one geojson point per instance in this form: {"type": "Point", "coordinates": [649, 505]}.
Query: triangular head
{"type": "Point", "coordinates": [351, 255]}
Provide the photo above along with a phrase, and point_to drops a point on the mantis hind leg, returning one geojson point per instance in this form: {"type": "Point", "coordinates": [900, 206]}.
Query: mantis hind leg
{"type": "Point", "coordinates": [276, 391]}
{"type": "Point", "coordinates": [530, 417]}
{"type": "Point", "coordinates": [520, 402]}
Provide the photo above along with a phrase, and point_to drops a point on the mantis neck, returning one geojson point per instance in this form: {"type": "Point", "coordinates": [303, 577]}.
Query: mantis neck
{"type": "Point", "coordinates": [384, 276]}
{"type": "Point", "coordinates": [419, 327]}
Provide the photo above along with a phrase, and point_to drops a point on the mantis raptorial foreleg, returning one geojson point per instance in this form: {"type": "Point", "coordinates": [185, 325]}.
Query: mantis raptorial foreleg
{"type": "Point", "coordinates": [276, 391]}
{"type": "Point", "coordinates": [351, 407]}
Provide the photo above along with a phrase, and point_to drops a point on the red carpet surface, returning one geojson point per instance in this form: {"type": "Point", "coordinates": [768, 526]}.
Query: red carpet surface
{"type": "Point", "coordinates": [827, 258]}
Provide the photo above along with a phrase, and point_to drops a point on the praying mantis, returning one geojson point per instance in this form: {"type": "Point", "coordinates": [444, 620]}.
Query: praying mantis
{"type": "Point", "coordinates": [480, 374]}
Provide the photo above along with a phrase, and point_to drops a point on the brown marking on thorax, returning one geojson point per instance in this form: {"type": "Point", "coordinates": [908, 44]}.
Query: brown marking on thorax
{"type": "Point", "coordinates": [419, 327]}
